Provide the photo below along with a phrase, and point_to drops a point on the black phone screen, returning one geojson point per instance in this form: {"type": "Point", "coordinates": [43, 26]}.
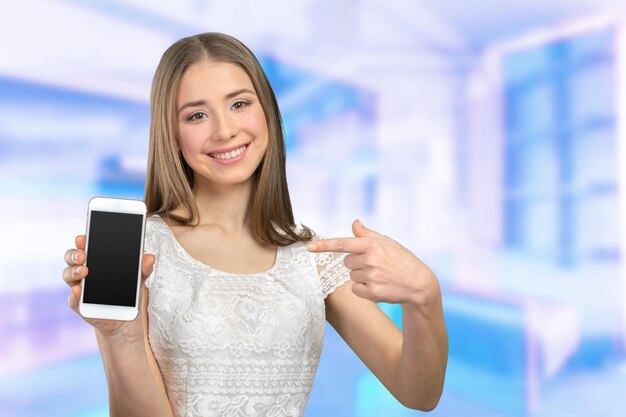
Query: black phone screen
{"type": "Point", "coordinates": [113, 256]}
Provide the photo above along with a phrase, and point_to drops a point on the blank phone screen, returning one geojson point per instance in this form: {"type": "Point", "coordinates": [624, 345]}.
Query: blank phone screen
{"type": "Point", "coordinates": [113, 258]}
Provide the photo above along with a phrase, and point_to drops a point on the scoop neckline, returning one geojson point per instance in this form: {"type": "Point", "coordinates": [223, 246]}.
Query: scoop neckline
{"type": "Point", "coordinates": [209, 267]}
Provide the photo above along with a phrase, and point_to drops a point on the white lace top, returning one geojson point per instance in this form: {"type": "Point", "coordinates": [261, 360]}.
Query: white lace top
{"type": "Point", "coordinates": [237, 344]}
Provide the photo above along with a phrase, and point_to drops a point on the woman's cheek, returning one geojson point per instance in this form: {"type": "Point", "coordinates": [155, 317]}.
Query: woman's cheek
{"type": "Point", "coordinates": [187, 142]}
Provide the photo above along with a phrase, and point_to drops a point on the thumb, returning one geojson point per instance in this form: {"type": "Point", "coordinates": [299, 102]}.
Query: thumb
{"type": "Point", "coordinates": [147, 264]}
{"type": "Point", "coordinates": [361, 231]}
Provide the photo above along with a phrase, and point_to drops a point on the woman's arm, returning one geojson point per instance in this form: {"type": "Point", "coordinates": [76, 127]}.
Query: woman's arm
{"type": "Point", "coordinates": [135, 382]}
{"type": "Point", "coordinates": [410, 363]}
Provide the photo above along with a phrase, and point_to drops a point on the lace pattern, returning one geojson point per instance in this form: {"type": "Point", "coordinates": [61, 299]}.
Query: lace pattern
{"type": "Point", "coordinates": [333, 273]}
{"type": "Point", "coordinates": [237, 344]}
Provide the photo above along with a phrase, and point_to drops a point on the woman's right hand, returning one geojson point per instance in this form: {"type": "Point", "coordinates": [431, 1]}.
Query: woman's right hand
{"type": "Point", "coordinates": [76, 271]}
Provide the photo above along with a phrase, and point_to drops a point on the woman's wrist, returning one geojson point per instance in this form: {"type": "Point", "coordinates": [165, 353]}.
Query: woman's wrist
{"type": "Point", "coordinates": [426, 298]}
{"type": "Point", "coordinates": [121, 336]}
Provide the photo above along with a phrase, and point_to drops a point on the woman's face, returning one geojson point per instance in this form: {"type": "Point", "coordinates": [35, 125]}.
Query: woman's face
{"type": "Point", "coordinates": [222, 129]}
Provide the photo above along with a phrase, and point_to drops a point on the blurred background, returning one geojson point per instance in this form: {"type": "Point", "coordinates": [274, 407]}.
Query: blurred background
{"type": "Point", "coordinates": [487, 136]}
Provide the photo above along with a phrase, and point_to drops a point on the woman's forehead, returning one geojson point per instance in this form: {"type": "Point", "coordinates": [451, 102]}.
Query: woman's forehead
{"type": "Point", "coordinates": [214, 79]}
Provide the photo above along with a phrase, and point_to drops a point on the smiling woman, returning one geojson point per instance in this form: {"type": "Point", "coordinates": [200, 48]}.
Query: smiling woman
{"type": "Point", "coordinates": [179, 86]}
{"type": "Point", "coordinates": [232, 316]}
{"type": "Point", "coordinates": [227, 124]}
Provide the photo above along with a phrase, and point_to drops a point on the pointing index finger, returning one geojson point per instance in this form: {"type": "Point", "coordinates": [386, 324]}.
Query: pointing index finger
{"type": "Point", "coordinates": [340, 244]}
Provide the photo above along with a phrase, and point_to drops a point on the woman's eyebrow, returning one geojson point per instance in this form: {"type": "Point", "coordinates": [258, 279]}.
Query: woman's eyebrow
{"type": "Point", "coordinates": [237, 92]}
{"type": "Point", "coordinates": [227, 97]}
{"type": "Point", "coordinates": [191, 104]}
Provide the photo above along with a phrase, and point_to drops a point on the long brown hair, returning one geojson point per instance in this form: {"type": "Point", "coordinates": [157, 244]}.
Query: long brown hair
{"type": "Point", "coordinates": [170, 179]}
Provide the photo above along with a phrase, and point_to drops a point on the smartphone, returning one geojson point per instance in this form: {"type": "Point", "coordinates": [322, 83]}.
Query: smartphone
{"type": "Point", "coordinates": [114, 249]}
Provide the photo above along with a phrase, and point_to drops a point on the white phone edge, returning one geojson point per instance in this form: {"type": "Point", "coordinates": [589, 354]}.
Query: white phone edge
{"type": "Point", "coordinates": [112, 312]}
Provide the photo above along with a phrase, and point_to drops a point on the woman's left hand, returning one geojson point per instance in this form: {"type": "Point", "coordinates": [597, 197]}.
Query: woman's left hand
{"type": "Point", "coordinates": [382, 269]}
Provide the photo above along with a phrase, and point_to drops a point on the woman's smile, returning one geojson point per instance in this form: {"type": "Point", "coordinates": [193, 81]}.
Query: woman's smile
{"type": "Point", "coordinates": [230, 155]}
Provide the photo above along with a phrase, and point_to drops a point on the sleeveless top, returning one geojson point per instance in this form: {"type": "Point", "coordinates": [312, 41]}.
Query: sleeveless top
{"type": "Point", "coordinates": [237, 344]}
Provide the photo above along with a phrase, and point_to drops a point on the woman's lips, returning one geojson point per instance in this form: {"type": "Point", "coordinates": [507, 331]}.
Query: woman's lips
{"type": "Point", "coordinates": [230, 156]}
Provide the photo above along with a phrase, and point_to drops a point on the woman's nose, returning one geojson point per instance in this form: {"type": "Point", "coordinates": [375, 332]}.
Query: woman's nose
{"type": "Point", "coordinates": [224, 127]}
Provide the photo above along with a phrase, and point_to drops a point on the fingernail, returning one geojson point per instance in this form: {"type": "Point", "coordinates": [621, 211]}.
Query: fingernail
{"type": "Point", "coordinates": [75, 256]}
{"type": "Point", "coordinates": [311, 246]}
{"type": "Point", "coordinates": [77, 270]}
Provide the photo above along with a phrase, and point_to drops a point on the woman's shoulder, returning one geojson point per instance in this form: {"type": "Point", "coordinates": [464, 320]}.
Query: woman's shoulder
{"type": "Point", "coordinates": [153, 219]}
{"type": "Point", "coordinates": [154, 222]}
{"type": "Point", "coordinates": [156, 228]}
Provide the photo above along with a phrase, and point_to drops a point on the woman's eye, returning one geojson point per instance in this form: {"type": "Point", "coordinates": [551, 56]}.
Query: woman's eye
{"type": "Point", "coordinates": [239, 104]}
{"type": "Point", "coordinates": [196, 116]}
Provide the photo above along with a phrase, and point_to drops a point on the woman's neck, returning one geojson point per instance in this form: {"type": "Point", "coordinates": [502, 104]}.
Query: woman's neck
{"type": "Point", "coordinates": [225, 206]}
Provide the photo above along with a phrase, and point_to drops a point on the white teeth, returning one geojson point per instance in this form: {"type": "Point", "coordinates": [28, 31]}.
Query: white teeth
{"type": "Point", "coordinates": [229, 155]}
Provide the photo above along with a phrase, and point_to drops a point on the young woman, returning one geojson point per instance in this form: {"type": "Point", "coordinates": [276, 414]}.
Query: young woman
{"type": "Point", "coordinates": [233, 309]}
